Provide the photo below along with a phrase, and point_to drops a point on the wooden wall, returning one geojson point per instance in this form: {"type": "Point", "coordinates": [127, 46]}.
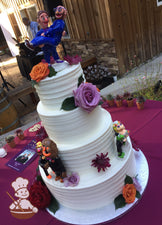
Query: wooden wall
{"type": "Point", "coordinates": [88, 19]}
{"type": "Point", "coordinates": [137, 28]}
{"type": "Point", "coordinates": [135, 25]}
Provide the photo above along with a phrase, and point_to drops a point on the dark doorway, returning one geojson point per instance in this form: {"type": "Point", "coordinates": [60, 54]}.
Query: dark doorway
{"type": "Point", "coordinates": [3, 43]}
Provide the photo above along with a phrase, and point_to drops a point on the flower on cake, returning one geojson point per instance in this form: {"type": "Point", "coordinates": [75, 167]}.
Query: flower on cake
{"type": "Point", "coordinates": [40, 196]}
{"type": "Point", "coordinates": [87, 96]}
{"type": "Point", "coordinates": [130, 192]}
{"type": "Point", "coordinates": [101, 162]}
{"type": "Point", "coordinates": [71, 180]}
{"type": "Point", "coordinates": [72, 60]}
{"type": "Point", "coordinates": [41, 71]}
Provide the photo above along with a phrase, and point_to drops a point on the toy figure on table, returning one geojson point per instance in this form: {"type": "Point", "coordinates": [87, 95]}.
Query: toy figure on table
{"type": "Point", "coordinates": [50, 151]}
{"type": "Point", "coordinates": [49, 37]}
{"type": "Point", "coordinates": [121, 136]}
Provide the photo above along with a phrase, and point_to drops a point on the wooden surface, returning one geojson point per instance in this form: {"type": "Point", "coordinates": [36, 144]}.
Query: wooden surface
{"type": "Point", "coordinates": [88, 19]}
{"type": "Point", "coordinates": [137, 27]}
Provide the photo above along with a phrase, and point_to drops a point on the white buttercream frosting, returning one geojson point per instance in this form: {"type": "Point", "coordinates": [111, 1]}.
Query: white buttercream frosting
{"type": "Point", "coordinates": [52, 91]}
{"type": "Point", "coordinates": [79, 137]}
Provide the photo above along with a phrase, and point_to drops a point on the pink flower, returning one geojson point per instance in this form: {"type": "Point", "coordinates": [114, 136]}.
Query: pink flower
{"type": "Point", "coordinates": [87, 97]}
{"type": "Point", "coordinates": [52, 61]}
{"type": "Point", "coordinates": [73, 59]}
{"type": "Point", "coordinates": [72, 180]}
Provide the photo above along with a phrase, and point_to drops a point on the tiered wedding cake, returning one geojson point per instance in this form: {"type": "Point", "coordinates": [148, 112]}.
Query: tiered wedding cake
{"type": "Point", "coordinates": [79, 136]}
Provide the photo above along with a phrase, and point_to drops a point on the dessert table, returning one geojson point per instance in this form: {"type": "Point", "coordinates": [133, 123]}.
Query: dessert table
{"type": "Point", "coordinates": [145, 129]}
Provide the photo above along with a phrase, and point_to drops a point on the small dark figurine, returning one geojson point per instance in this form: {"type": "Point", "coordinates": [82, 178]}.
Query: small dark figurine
{"type": "Point", "coordinates": [50, 151]}
{"type": "Point", "coordinates": [43, 162]}
{"type": "Point", "coordinates": [121, 136]}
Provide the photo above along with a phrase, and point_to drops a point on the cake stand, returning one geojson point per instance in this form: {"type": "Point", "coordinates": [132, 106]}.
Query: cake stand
{"type": "Point", "coordinates": [107, 213]}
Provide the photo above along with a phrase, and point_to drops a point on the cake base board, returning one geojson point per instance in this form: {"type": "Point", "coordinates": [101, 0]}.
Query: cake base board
{"type": "Point", "coordinates": [106, 213]}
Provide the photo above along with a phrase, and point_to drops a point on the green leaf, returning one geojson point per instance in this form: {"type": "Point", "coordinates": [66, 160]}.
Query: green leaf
{"type": "Point", "coordinates": [54, 205]}
{"type": "Point", "coordinates": [68, 104]}
{"type": "Point", "coordinates": [52, 71]}
{"type": "Point", "coordinates": [33, 82]}
{"type": "Point", "coordinates": [119, 202]}
{"type": "Point", "coordinates": [80, 80]}
{"type": "Point", "coordinates": [128, 180]}
{"type": "Point", "coordinates": [138, 195]}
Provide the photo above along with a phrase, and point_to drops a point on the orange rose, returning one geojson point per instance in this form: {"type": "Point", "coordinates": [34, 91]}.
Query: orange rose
{"type": "Point", "coordinates": [39, 71]}
{"type": "Point", "coordinates": [129, 193]}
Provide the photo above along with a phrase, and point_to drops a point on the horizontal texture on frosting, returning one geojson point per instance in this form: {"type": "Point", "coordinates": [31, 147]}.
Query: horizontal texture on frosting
{"type": "Point", "coordinates": [52, 91]}
{"type": "Point", "coordinates": [75, 127]}
{"type": "Point", "coordinates": [79, 137]}
{"type": "Point", "coordinates": [95, 189]}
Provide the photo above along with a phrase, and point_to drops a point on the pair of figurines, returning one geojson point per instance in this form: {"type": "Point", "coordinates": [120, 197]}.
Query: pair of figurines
{"type": "Point", "coordinates": [48, 152]}
{"type": "Point", "coordinates": [48, 37]}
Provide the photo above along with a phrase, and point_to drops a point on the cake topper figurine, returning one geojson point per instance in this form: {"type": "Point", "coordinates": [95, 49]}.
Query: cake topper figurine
{"type": "Point", "coordinates": [42, 159]}
{"type": "Point", "coordinates": [50, 151]}
{"type": "Point", "coordinates": [49, 37]}
{"type": "Point", "coordinates": [121, 136]}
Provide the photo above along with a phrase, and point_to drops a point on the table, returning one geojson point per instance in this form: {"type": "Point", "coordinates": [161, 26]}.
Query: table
{"type": "Point", "coordinates": [145, 127]}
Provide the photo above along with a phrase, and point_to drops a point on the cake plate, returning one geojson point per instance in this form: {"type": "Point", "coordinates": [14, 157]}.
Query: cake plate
{"type": "Point", "coordinates": [107, 213]}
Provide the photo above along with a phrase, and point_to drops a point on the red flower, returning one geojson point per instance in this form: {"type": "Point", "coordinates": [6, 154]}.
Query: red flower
{"type": "Point", "coordinates": [101, 162]}
{"type": "Point", "coordinates": [39, 195]}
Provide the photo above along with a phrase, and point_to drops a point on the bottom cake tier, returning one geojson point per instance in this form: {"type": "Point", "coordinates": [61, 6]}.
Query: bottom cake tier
{"type": "Point", "coordinates": [95, 189]}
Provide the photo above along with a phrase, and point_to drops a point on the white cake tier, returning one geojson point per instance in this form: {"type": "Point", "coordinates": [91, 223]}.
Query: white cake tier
{"type": "Point", "coordinates": [95, 189]}
{"type": "Point", "coordinates": [52, 91]}
{"type": "Point", "coordinates": [70, 129]}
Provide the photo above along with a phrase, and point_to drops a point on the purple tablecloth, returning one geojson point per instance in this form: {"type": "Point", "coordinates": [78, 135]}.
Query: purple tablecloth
{"type": "Point", "coordinates": [145, 127]}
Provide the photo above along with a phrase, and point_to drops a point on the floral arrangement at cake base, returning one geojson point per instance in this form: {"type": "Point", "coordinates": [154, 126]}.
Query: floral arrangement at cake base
{"type": "Point", "coordinates": [131, 191]}
{"type": "Point", "coordinates": [40, 196]}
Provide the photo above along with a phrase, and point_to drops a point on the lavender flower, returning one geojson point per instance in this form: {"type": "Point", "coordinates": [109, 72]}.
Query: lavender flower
{"type": "Point", "coordinates": [87, 96]}
{"type": "Point", "coordinates": [72, 180]}
{"type": "Point", "coordinates": [137, 184]}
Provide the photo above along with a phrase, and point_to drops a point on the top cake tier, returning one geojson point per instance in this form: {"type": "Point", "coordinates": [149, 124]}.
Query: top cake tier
{"type": "Point", "coordinates": [52, 91]}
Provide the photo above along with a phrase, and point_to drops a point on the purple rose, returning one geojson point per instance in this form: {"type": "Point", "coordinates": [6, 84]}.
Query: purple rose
{"type": "Point", "coordinates": [87, 96]}
{"type": "Point", "coordinates": [71, 180]}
